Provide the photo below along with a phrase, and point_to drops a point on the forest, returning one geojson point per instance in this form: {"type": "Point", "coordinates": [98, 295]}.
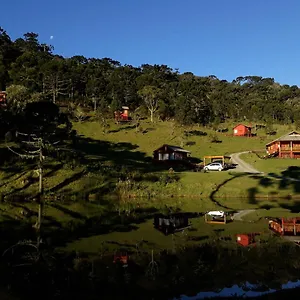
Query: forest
{"type": "Point", "coordinates": [31, 72]}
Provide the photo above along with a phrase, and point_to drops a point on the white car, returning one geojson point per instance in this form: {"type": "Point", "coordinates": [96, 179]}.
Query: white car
{"type": "Point", "coordinates": [214, 167]}
{"type": "Point", "coordinates": [216, 213]}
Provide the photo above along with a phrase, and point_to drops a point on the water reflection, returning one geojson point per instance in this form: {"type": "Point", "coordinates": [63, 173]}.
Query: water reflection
{"type": "Point", "coordinates": [246, 290]}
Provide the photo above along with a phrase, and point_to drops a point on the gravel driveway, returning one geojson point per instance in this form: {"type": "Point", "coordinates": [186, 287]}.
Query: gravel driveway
{"type": "Point", "coordinates": [242, 166]}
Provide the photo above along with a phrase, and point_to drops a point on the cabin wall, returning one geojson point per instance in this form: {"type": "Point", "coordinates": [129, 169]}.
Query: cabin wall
{"type": "Point", "coordinates": [241, 130]}
{"type": "Point", "coordinates": [168, 155]}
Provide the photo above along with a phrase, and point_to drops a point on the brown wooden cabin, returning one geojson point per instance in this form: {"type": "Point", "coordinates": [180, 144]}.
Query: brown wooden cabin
{"type": "Point", "coordinates": [285, 226]}
{"type": "Point", "coordinates": [242, 130]}
{"type": "Point", "coordinates": [3, 96]}
{"type": "Point", "coordinates": [170, 153]}
{"type": "Point", "coordinates": [286, 146]}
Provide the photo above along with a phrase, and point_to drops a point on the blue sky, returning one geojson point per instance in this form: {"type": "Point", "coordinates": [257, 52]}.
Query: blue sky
{"type": "Point", "coordinates": [226, 38]}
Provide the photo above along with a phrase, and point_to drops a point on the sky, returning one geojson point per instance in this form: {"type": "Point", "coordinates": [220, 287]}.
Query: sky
{"type": "Point", "coordinates": [225, 38]}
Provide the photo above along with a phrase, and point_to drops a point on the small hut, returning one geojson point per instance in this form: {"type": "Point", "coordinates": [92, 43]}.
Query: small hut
{"type": "Point", "coordinates": [3, 96]}
{"type": "Point", "coordinates": [242, 130]}
{"type": "Point", "coordinates": [122, 115]}
{"type": "Point", "coordinates": [170, 153]}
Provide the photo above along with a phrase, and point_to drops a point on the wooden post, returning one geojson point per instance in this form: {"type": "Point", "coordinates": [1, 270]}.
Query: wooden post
{"type": "Point", "coordinates": [291, 149]}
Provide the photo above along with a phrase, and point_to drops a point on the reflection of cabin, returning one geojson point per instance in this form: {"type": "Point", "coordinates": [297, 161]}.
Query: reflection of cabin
{"type": "Point", "coordinates": [170, 224]}
{"type": "Point", "coordinates": [246, 239]}
{"type": "Point", "coordinates": [242, 130]}
{"type": "Point", "coordinates": [285, 226]}
{"type": "Point", "coordinates": [122, 115]}
{"type": "Point", "coordinates": [3, 97]}
{"type": "Point", "coordinates": [287, 146]}
{"type": "Point", "coordinates": [170, 153]}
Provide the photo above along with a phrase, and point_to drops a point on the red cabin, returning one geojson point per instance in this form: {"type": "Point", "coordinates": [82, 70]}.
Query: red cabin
{"type": "Point", "coordinates": [242, 130]}
{"type": "Point", "coordinates": [3, 98]}
{"type": "Point", "coordinates": [246, 239]}
{"type": "Point", "coordinates": [121, 258]}
{"type": "Point", "coordinates": [123, 115]}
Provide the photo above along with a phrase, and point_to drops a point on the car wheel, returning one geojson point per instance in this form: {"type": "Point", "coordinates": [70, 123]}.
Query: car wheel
{"type": "Point", "coordinates": [205, 169]}
{"type": "Point", "coordinates": [220, 169]}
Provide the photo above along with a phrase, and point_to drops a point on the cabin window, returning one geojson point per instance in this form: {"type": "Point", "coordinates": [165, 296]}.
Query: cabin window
{"type": "Point", "coordinates": [165, 156]}
{"type": "Point", "coordinates": [172, 156]}
{"type": "Point", "coordinates": [235, 131]}
{"type": "Point", "coordinates": [159, 156]}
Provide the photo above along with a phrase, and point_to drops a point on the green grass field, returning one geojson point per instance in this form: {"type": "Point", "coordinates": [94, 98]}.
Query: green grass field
{"type": "Point", "coordinates": [124, 152]}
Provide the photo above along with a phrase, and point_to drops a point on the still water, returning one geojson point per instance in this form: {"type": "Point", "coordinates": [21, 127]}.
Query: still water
{"type": "Point", "coordinates": [247, 290]}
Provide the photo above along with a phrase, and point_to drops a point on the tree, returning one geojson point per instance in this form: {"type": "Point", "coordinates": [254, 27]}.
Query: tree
{"type": "Point", "coordinates": [18, 97]}
{"type": "Point", "coordinates": [55, 83]}
{"type": "Point", "coordinates": [150, 95]}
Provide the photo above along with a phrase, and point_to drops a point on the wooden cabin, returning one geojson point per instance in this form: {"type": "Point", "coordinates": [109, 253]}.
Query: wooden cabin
{"type": "Point", "coordinates": [242, 130]}
{"type": "Point", "coordinates": [3, 96]}
{"type": "Point", "coordinates": [122, 115]}
{"type": "Point", "coordinates": [286, 146]}
{"type": "Point", "coordinates": [285, 226]}
{"type": "Point", "coordinates": [170, 153]}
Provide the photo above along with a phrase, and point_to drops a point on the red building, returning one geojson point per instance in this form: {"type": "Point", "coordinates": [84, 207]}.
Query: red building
{"type": "Point", "coordinates": [242, 130]}
{"type": "Point", "coordinates": [3, 97]}
{"type": "Point", "coordinates": [286, 146]}
{"type": "Point", "coordinates": [122, 115]}
{"type": "Point", "coordinates": [246, 239]}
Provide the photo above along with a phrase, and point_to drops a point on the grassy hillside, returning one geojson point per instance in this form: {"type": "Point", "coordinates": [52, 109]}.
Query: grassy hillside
{"type": "Point", "coordinates": [118, 160]}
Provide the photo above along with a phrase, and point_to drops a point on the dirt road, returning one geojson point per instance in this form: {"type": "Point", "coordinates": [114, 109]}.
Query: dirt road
{"type": "Point", "coordinates": [242, 166]}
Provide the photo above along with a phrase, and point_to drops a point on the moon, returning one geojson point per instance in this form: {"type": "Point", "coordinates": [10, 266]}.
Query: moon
{"type": "Point", "coordinates": [51, 37]}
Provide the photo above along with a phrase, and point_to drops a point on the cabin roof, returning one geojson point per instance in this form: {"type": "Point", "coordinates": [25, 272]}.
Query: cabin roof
{"type": "Point", "coordinates": [292, 136]}
{"type": "Point", "coordinates": [173, 148]}
{"type": "Point", "coordinates": [242, 125]}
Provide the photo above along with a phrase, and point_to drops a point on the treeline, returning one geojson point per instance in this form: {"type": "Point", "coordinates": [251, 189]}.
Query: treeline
{"type": "Point", "coordinates": [29, 71]}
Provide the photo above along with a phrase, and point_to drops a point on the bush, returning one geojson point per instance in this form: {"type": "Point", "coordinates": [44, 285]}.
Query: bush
{"type": "Point", "coordinates": [195, 132]}
{"type": "Point", "coordinates": [214, 139]}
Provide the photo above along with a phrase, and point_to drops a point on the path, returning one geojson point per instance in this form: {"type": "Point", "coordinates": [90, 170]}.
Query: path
{"type": "Point", "coordinates": [239, 215]}
{"type": "Point", "coordinates": [242, 166]}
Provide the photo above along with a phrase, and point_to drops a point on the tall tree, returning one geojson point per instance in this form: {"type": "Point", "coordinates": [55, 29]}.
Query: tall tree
{"type": "Point", "coordinates": [150, 95]}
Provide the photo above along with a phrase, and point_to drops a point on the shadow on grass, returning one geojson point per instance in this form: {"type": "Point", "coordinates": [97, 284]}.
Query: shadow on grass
{"type": "Point", "coordinates": [290, 178]}
{"type": "Point", "coordinates": [213, 194]}
{"type": "Point", "coordinates": [122, 128]}
{"type": "Point", "coordinates": [67, 181]}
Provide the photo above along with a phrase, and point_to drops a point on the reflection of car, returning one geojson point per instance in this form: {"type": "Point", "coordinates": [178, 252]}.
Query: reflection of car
{"type": "Point", "coordinates": [214, 167]}
{"type": "Point", "coordinates": [216, 214]}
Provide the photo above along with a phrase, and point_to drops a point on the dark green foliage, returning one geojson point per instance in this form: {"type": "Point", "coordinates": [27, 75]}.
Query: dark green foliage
{"type": "Point", "coordinates": [105, 85]}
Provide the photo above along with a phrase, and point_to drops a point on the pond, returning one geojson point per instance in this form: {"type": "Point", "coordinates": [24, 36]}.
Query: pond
{"type": "Point", "coordinates": [246, 290]}
{"type": "Point", "coordinates": [201, 260]}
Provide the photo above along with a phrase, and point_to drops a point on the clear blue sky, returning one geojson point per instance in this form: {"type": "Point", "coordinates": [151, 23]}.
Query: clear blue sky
{"type": "Point", "coordinates": [226, 38]}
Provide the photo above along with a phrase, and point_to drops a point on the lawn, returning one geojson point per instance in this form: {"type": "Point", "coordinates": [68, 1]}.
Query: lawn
{"type": "Point", "coordinates": [122, 146]}
{"type": "Point", "coordinates": [275, 165]}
